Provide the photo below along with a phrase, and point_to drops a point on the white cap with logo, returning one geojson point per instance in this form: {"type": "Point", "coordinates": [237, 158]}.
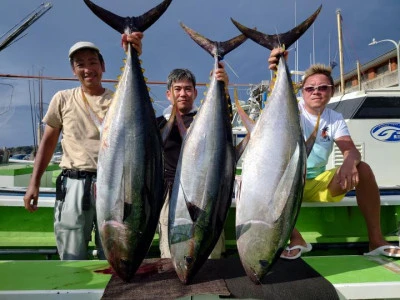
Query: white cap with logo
{"type": "Point", "coordinates": [82, 45]}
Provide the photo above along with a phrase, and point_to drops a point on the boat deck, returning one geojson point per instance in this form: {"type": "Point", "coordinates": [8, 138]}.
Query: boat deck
{"type": "Point", "coordinates": [331, 228]}
{"type": "Point", "coordinates": [353, 277]}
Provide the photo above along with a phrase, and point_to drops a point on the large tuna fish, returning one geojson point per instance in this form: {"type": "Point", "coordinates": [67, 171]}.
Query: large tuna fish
{"type": "Point", "coordinates": [130, 167]}
{"type": "Point", "coordinates": [202, 190]}
{"type": "Point", "coordinates": [273, 169]}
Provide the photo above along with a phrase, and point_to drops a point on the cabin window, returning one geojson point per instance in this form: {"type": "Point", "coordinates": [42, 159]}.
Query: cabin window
{"type": "Point", "coordinates": [371, 107]}
{"type": "Point", "coordinates": [383, 69]}
{"type": "Point", "coordinates": [379, 108]}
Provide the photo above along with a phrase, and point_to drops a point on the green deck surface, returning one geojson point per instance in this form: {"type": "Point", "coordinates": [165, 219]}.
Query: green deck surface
{"type": "Point", "coordinates": [53, 275]}
{"type": "Point", "coordinates": [356, 268]}
{"type": "Point", "coordinates": [83, 275]}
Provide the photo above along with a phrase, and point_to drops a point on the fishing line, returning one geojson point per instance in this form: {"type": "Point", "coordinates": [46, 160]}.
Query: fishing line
{"type": "Point", "coordinates": [8, 109]}
{"type": "Point", "coordinates": [230, 67]}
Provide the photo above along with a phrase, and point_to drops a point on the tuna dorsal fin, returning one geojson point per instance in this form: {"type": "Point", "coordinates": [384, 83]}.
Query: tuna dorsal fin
{"type": "Point", "coordinates": [311, 139]}
{"type": "Point", "coordinates": [119, 23]}
{"type": "Point", "coordinates": [277, 40]}
{"type": "Point", "coordinates": [166, 130]}
{"type": "Point", "coordinates": [247, 122]}
{"type": "Point", "coordinates": [215, 49]}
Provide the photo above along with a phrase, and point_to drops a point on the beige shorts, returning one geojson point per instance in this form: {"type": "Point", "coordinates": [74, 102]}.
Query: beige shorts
{"type": "Point", "coordinates": [316, 189]}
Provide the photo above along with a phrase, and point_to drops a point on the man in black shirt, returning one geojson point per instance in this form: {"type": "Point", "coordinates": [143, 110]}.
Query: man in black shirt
{"type": "Point", "coordinates": [181, 86]}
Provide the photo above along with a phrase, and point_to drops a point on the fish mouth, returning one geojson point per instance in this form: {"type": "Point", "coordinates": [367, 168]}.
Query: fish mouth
{"type": "Point", "coordinates": [184, 269]}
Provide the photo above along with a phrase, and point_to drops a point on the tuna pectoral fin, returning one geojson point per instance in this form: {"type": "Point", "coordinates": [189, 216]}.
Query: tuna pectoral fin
{"type": "Point", "coordinates": [277, 40]}
{"type": "Point", "coordinates": [127, 210]}
{"type": "Point", "coordinates": [140, 23]}
{"type": "Point", "coordinates": [287, 184]}
{"type": "Point", "coordinates": [241, 229]}
{"type": "Point", "coordinates": [311, 139]}
{"type": "Point", "coordinates": [194, 211]}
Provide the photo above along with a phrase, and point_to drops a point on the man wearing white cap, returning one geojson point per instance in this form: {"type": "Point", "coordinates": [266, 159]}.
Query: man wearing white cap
{"type": "Point", "coordinates": [76, 113]}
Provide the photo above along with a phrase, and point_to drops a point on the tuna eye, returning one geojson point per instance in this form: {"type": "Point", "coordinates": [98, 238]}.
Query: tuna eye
{"type": "Point", "coordinates": [188, 259]}
{"type": "Point", "coordinates": [263, 263]}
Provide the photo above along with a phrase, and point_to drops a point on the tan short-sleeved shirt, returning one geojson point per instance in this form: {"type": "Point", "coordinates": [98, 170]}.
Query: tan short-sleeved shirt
{"type": "Point", "coordinates": [80, 134]}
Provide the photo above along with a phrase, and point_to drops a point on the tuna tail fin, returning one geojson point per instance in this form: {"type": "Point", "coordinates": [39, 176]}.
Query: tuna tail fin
{"type": "Point", "coordinates": [311, 139]}
{"type": "Point", "coordinates": [248, 123]}
{"type": "Point", "coordinates": [216, 49]}
{"type": "Point", "coordinates": [119, 23]}
{"type": "Point", "coordinates": [278, 40]}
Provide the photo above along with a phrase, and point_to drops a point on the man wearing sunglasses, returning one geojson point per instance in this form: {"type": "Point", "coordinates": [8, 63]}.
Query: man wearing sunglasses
{"type": "Point", "coordinates": [331, 185]}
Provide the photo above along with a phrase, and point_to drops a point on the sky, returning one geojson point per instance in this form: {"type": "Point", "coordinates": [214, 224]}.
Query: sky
{"type": "Point", "coordinates": [43, 50]}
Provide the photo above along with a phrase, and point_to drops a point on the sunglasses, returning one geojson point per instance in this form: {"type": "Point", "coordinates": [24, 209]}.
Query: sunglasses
{"type": "Point", "coordinates": [322, 88]}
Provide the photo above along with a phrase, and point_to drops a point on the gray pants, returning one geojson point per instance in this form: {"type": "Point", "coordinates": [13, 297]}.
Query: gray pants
{"type": "Point", "coordinates": [73, 226]}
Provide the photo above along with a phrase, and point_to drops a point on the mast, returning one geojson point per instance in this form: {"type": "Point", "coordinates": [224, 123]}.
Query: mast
{"type": "Point", "coordinates": [359, 75]}
{"type": "Point", "coordinates": [340, 38]}
{"type": "Point", "coordinates": [296, 55]}
{"type": "Point", "coordinates": [28, 21]}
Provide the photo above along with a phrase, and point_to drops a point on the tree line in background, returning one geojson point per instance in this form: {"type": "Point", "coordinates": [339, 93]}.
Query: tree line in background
{"type": "Point", "coordinates": [28, 149]}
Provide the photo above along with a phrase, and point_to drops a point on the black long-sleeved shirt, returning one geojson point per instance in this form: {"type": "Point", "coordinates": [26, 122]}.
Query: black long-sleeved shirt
{"type": "Point", "coordinates": [173, 144]}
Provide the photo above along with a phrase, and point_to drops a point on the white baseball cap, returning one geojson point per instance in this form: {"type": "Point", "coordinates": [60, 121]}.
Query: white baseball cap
{"type": "Point", "coordinates": [82, 45]}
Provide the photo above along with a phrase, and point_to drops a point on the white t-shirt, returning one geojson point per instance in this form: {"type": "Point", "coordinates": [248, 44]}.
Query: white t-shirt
{"type": "Point", "coordinates": [331, 127]}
